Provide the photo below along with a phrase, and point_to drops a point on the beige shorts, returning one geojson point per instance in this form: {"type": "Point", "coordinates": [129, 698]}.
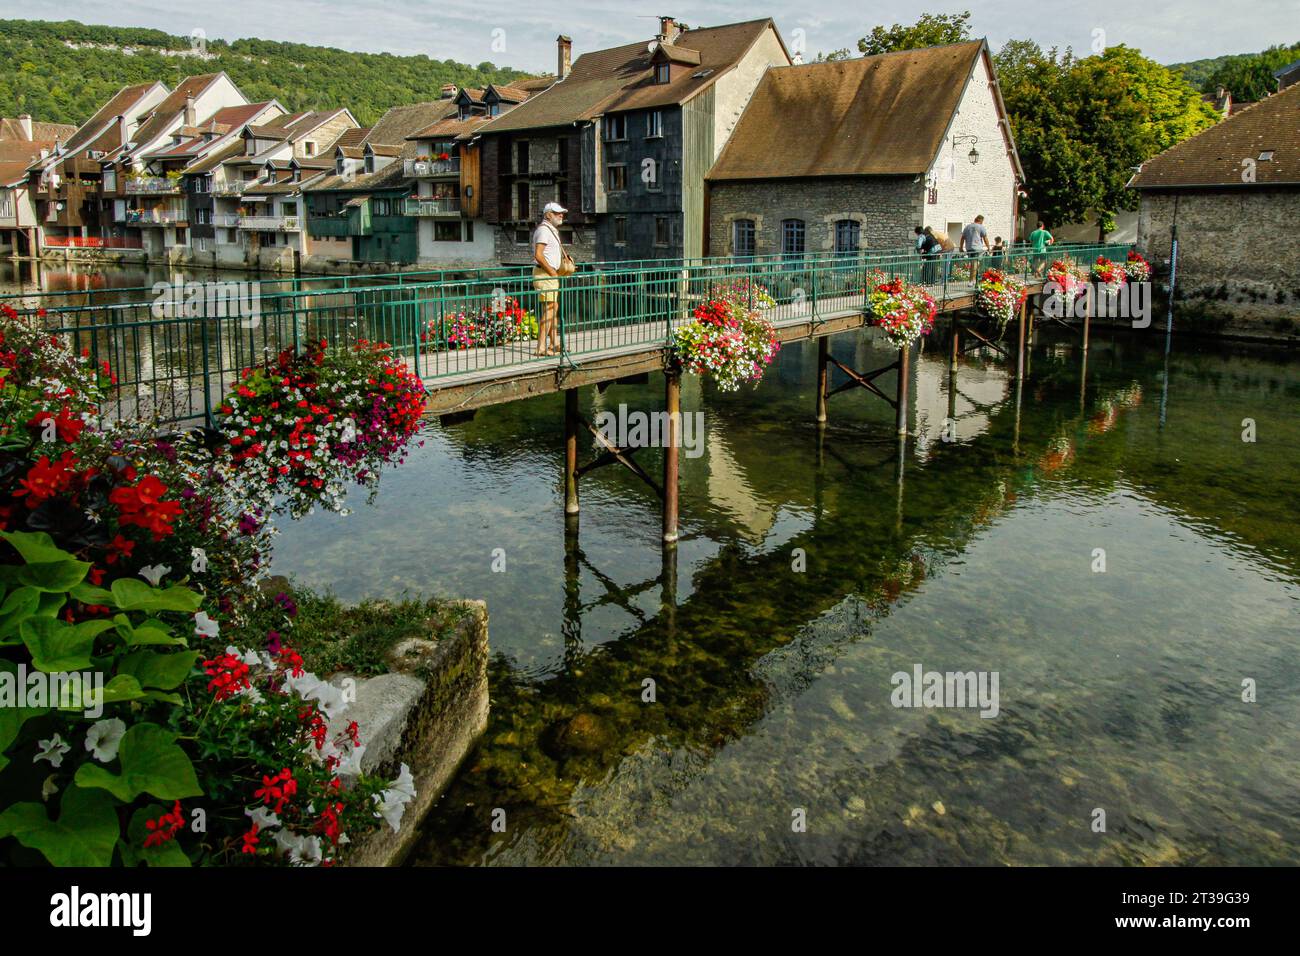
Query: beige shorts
{"type": "Point", "coordinates": [546, 286]}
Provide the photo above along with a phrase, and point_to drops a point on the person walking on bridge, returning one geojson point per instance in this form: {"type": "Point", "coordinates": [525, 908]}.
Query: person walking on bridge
{"type": "Point", "coordinates": [550, 261]}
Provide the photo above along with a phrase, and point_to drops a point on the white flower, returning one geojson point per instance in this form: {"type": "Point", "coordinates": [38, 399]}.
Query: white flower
{"type": "Point", "coordinates": [205, 626]}
{"type": "Point", "coordinates": [104, 737]}
{"type": "Point", "coordinates": [392, 802]}
{"type": "Point", "coordinates": [350, 766]}
{"type": "Point", "coordinates": [153, 574]}
{"type": "Point", "coordinates": [303, 851]}
{"type": "Point", "coordinates": [263, 817]}
{"type": "Point", "coordinates": [52, 750]}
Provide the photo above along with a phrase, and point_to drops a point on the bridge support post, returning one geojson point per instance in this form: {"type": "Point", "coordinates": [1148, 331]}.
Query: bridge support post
{"type": "Point", "coordinates": [956, 346]}
{"type": "Point", "coordinates": [571, 423]}
{"type": "Point", "coordinates": [1087, 315]}
{"type": "Point", "coordinates": [900, 411]}
{"type": "Point", "coordinates": [823, 350]}
{"type": "Point", "coordinates": [1020, 350]}
{"type": "Point", "coordinates": [673, 406]}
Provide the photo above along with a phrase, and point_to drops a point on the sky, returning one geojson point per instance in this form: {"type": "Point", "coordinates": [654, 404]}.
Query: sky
{"type": "Point", "coordinates": [522, 35]}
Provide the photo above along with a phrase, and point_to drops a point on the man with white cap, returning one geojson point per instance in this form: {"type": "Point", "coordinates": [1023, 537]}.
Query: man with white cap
{"type": "Point", "coordinates": [548, 254]}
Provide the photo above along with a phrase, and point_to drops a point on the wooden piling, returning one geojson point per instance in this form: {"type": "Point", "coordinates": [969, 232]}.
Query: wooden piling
{"type": "Point", "coordinates": [673, 405]}
{"type": "Point", "coordinates": [900, 411]}
{"type": "Point", "coordinates": [1020, 349]}
{"type": "Point", "coordinates": [571, 424]}
{"type": "Point", "coordinates": [823, 351]}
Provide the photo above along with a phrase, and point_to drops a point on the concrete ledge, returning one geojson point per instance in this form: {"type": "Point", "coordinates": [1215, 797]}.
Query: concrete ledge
{"type": "Point", "coordinates": [427, 712]}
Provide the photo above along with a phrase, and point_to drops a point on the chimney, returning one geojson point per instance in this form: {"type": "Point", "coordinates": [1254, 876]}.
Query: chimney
{"type": "Point", "coordinates": [564, 56]}
{"type": "Point", "coordinates": [25, 121]}
{"type": "Point", "coordinates": [668, 30]}
{"type": "Point", "coordinates": [190, 119]}
{"type": "Point", "coordinates": [448, 90]}
{"type": "Point", "coordinates": [121, 130]}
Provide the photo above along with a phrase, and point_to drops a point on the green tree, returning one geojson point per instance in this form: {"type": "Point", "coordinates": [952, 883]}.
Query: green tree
{"type": "Point", "coordinates": [1251, 78]}
{"type": "Point", "coordinates": [931, 30]}
{"type": "Point", "coordinates": [1081, 125]}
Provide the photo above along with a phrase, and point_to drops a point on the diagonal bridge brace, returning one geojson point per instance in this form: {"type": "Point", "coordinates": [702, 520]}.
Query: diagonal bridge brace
{"type": "Point", "coordinates": [864, 380]}
{"type": "Point", "coordinates": [612, 454]}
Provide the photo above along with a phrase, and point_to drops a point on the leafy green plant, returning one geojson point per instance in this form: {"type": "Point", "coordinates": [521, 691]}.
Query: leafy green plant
{"type": "Point", "coordinates": [107, 747]}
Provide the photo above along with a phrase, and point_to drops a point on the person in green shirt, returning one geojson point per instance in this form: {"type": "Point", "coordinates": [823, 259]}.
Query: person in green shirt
{"type": "Point", "coordinates": [1040, 239]}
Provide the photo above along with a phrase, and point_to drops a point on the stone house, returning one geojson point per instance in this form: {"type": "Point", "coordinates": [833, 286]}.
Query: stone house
{"type": "Point", "coordinates": [623, 138]}
{"type": "Point", "coordinates": [853, 154]}
{"type": "Point", "coordinates": [1233, 194]}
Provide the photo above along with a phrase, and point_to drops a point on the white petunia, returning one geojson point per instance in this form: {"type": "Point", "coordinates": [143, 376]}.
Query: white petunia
{"type": "Point", "coordinates": [154, 573]}
{"type": "Point", "coordinates": [104, 737]}
{"type": "Point", "coordinates": [351, 764]}
{"type": "Point", "coordinates": [391, 803]}
{"type": "Point", "coordinates": [205, 626]}
{"type": "Point", "coordinates": [52, 750]}
{"type": "Point", "coordinates": [263, 817]}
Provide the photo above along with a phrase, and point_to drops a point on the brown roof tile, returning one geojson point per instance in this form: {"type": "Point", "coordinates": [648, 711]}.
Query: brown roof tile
{"type": "Point", "coordinates": [13, 129]}
{"type": "Point", "coordinates": [621, 78]}
{"type": "Point", "coordinates": [94, 128]}
{"type": "Point", "coordinates": [172, 106]}
{"type": "Point", "coordinates": [874, 115]}
{"type": "Point", "coordinates": [1214, 156]}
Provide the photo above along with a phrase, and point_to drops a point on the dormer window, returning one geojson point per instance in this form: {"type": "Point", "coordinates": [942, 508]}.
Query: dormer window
{"type": "Point", "coordinates": [309, 148]}
{"type": "Point", "coordinates": [1266, 156]}
{"type": "Point", "coordinates": [663, 73]}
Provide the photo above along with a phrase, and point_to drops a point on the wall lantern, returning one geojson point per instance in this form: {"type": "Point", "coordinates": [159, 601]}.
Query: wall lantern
{"type": "Point", "coordinates": [974, 154]}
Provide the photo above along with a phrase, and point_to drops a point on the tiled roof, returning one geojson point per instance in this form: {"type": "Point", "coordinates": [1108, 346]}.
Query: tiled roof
{"type": "Point", "coordinates": [172, 106]}
{"type": "Point", "coordinates": [452, 127]}
{"type": "Point", "coordinates": [622, 78]}
{"type": "Point", "coordinates": [119, 104]}
{"type": "Point", "coordinates": [391, 176]}
{"type": "Point", "coordinates": [398, 123]}
{"type": "Point", "coordinates": [215, 158]}
{"type": "Point", "coordinates": [1217, 156]}
{"type": "Point", "coordinates": [13, 129]}
{"type": "Point", "coordinates": [874, 115]}
{"type": "Point", "coordinates": [351, 137]}
{"type": "Point", "coordinates": [513, 94]}
{"type": "Point", "coordinates": [16, 155]}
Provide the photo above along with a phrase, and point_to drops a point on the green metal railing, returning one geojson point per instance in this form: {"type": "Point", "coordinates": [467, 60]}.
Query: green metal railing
{"type": "Point", "coordinates": [177, 358]}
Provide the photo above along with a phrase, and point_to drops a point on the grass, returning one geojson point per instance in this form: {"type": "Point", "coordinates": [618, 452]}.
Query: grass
{"type": "Point", "coordinates": [333, 637]}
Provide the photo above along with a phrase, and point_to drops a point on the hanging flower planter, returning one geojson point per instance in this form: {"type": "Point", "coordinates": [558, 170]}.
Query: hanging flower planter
{"type": "Point", "coordinates": [1137, 268]}
{"type": "Point", "coordinates": [904, 311]}
{"type": "Point", "coordinates": [304, 426]}
{"type": "Point", "coordinates": [1069, 281]}
{"type": "Point", "coordinates": [1000, 295]}
{"type": "Point", "coordinates": [1108, 275]}
{"type": "Point", "coordinates": [729, 340]}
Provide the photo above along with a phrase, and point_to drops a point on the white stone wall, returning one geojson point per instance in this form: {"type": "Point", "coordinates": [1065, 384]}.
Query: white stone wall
{"type": "Point", "coordinates": [481, 251]}
{"type": "Point", "coordinates": [734, 89]}
{"type": "Point", "coordinates": [988, 187]}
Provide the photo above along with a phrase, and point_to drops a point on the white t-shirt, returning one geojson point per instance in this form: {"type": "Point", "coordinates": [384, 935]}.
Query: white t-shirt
{"type": "Point", "coordinates": [547, 236]}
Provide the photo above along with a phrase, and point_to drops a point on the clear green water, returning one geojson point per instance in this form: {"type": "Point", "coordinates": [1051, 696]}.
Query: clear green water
{"type": "Point", "coordinates": [1118, 690]}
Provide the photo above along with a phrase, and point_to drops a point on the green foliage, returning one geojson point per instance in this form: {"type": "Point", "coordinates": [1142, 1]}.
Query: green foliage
{"type": "Point", "coordinates": [930, 30]}
{"type": "Point", "coordinates": [44, 595]}
{"type": "Point", "coordinates": [1081, 125]}
{"type": "Point", "coordinates": [62, 84]}
{"type": "Point", "coordinates": [1250, 77]}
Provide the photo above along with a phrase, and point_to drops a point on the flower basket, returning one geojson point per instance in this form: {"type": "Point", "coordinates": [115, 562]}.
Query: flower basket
{"type": "Point", "coordinates": [728, 340]}
{"type": "Point", "coordinates": [303, 426]}
{"type": "Point", "coordinates": [904, 311]}
{"type": "Point", "coordinates": [1000, 295]}
{"type": "Point", "coordinates": [1069, 280]}
{"type": "Point", "coordinates": [481, 328]}
{"type": "Point", "coordinates": [1137, 268]}
{"type": "Point", "coordinates": [1109, 276]}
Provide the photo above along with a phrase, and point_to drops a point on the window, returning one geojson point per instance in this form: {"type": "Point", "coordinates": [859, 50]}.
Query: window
{"type": "Point", "coordinates": [616, 178]}
{"type": "Point", "coordinates": [566, 236]}
{"type": "Point", "coordinates": [446, 230]}
{"type": "Point", "coordinates": [663, 231]}
{"type": "Point", "coordinates": [521, 156]}
{"type": "Point", "coordinates": [380, 207]}
{"type": "Point", "coordinates": [494, 109]}
{"type": "Point", "coordinates": [654, 122]}
{"type": "Point", "coordinates": [792, 237]}
{"type": "Point", "coordinates": [847, 233]}
{"type": "Point", "coordinates": [521, 237]}
{"type": "Point", "coordinates": [309, 148]}
{"type": "Point", "coordinates": [232, 237]}
{"type": "Point", "coordinates": [563, 157]}
{"type": "Point", "coordinates": [469, 230]}
{"type": "Point", "coordinates": [200, 245]}
{"type": "Point", "coordinates": [663, 73]}
{"type": "Point", "coordinates": [616, 126]}
{"type": "Point", "coordinates": [288, 209]}
{"type": "Point", "coordinates": [1266, 156]}
{"type": "Point", "coordinates": [742, 238]}
{"type": "Point", "coordinates": [620, 230]}
{"type": "Point", "coordinates": [521, 200]}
